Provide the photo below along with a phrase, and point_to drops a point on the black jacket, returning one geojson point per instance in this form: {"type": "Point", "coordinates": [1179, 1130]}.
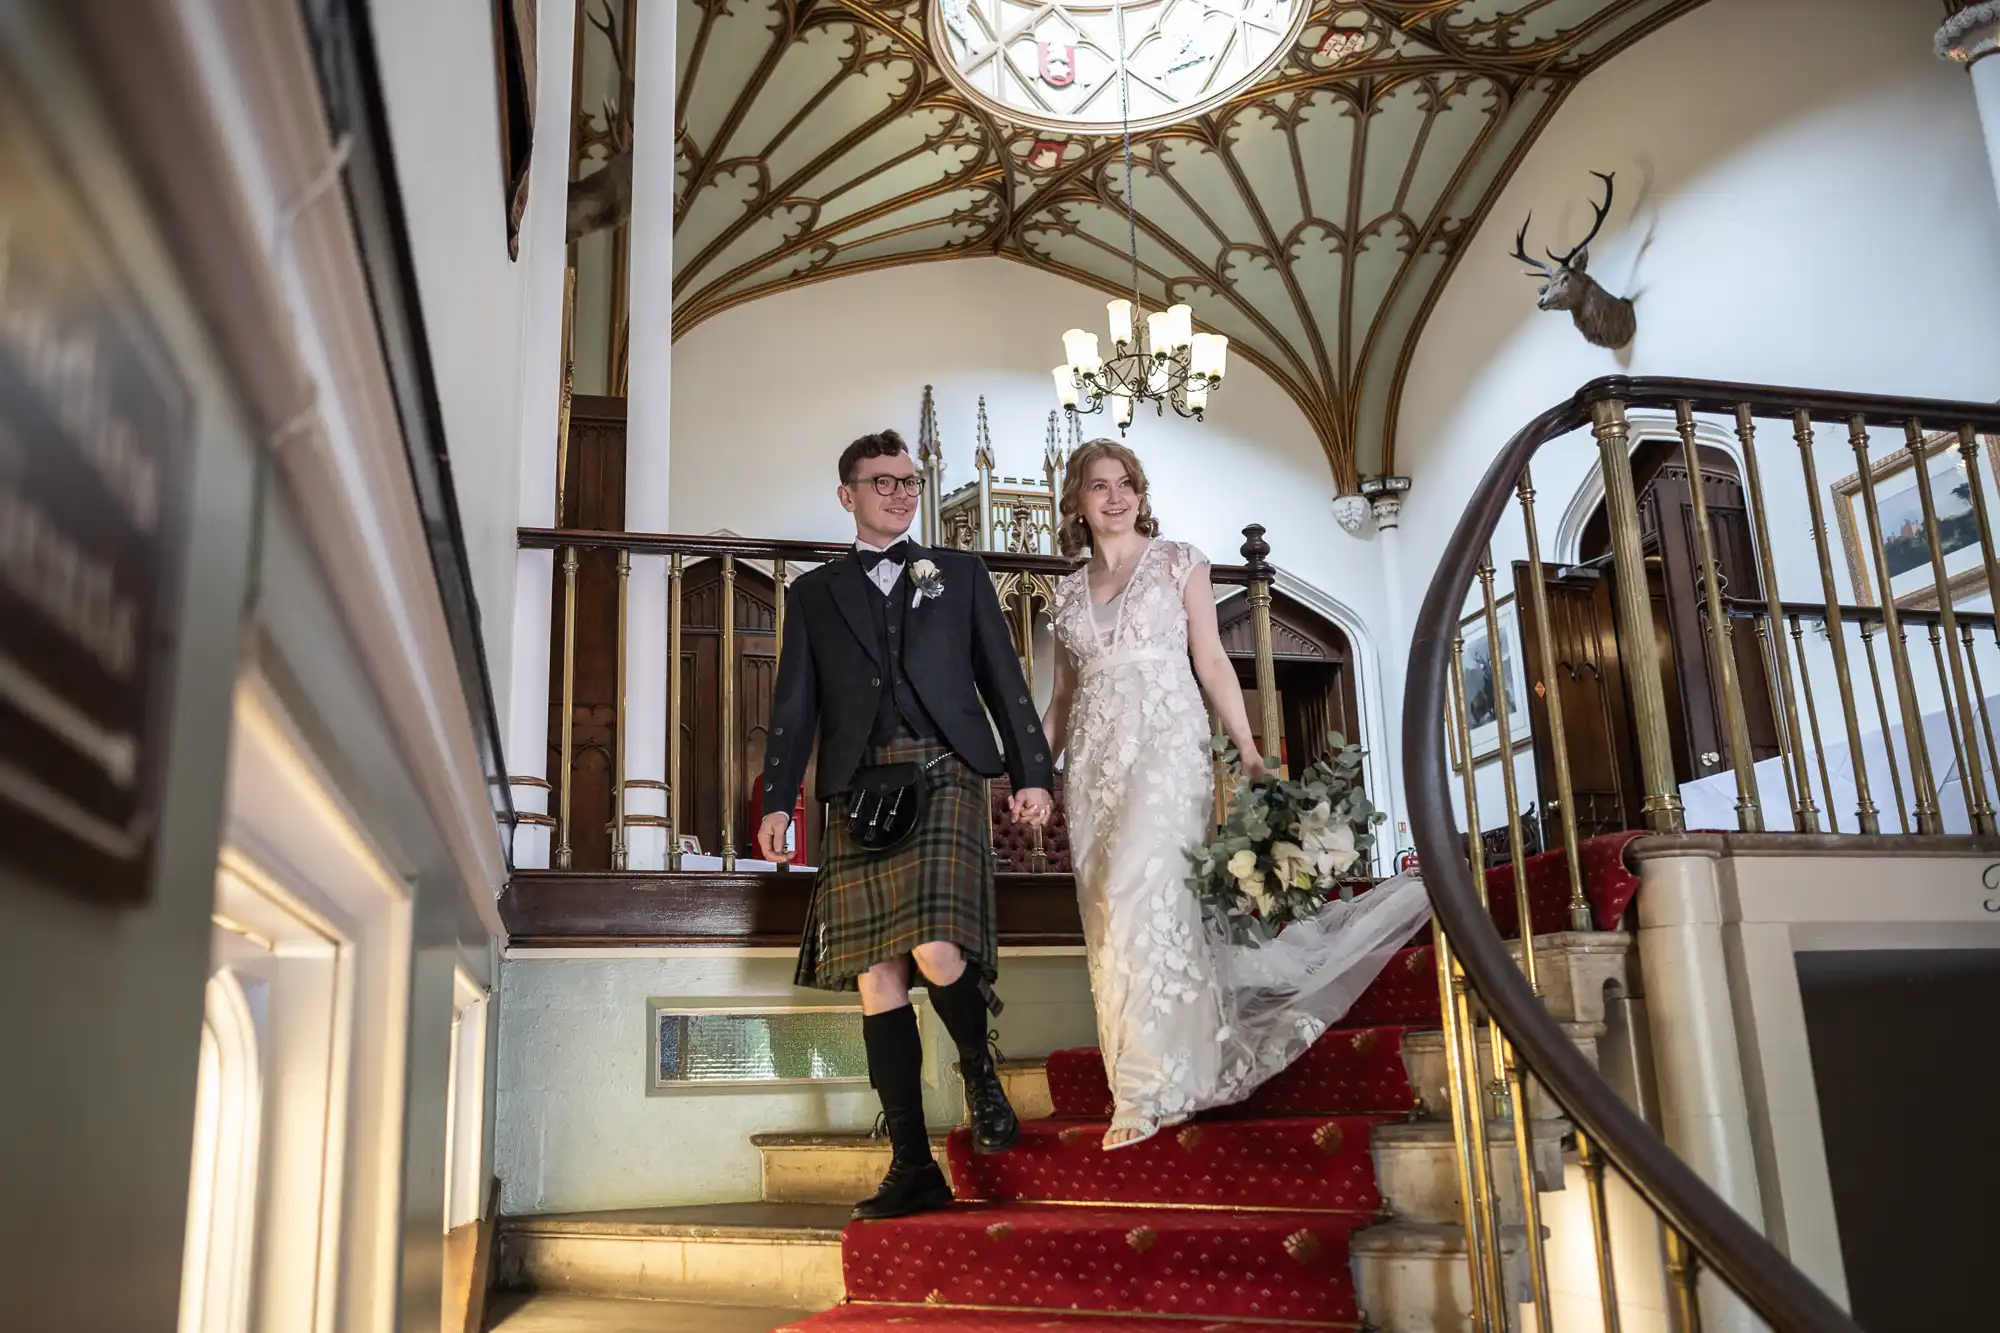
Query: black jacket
{"type": "Point", "coordinates": [956, 653]}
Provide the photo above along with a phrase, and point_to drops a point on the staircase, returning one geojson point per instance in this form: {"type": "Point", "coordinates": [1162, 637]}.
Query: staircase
{"type": "Point", "coordinates": [1330, 1199]}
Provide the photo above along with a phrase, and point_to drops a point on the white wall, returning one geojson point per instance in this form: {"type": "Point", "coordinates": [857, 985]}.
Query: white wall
{"type": "Point", "coordinates": [1803, 199]}
{"type": "Point", "coordinates": [440, 84]}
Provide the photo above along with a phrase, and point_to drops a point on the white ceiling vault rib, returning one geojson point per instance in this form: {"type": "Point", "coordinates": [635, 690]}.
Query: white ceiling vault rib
{"type": "Point", "coordinates": [1311, 215]}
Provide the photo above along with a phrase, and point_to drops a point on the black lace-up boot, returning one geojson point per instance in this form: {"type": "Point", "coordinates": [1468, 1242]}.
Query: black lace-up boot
{"type": "Point", "coordinates": [914, 1183]}
{"type": "Point", "coordinates": [962, 1007]}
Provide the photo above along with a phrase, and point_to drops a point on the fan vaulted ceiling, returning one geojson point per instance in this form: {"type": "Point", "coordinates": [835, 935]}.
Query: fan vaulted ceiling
{"type": "Point", "coordinates": [1312, 216]}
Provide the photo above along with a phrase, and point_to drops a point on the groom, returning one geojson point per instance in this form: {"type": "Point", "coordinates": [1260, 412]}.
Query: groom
{"type": "Point", "coordinates": [897, 654]}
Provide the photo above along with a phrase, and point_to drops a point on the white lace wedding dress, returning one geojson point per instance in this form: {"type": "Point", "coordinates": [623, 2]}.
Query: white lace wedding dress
{"type": "Point", "coordinates": [1185, 1019]}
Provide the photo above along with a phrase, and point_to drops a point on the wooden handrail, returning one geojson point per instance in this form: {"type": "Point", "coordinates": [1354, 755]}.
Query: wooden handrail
{"type": "Point", "coordinates": [1727, 1243]}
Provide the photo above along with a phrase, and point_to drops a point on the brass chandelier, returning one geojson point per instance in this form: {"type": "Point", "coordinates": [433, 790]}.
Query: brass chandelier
{"type": "Point", "coordinates": [1171, 365]}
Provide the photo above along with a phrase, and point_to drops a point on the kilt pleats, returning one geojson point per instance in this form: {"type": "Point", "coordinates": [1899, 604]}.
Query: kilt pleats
{"type": "Point", "coordinates": [875, 907]}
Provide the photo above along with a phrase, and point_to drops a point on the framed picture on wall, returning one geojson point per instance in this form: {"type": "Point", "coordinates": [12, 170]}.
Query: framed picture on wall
{"type": "Point", "coordinates": [1493, 681]}
{"type": "Point", "coordinates": [1912, 582]}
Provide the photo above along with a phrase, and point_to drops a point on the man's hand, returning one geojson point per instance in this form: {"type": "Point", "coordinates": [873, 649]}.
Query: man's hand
{"type": "Point", "coordinates": [1033, 807]}
{"type": "Point", "coordinates": [1253, 766]}
{"type": "Point", "coordinates": [771, 837]}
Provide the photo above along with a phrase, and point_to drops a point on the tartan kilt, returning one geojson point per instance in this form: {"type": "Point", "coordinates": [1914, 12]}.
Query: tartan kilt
{"type": "Point", "coordinates": [875, 907]}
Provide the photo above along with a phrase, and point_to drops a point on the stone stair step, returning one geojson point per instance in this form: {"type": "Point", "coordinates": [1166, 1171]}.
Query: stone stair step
{"type": "Point", "coordinates": [830, 1167]}
{"type": "Point", "coordinates": [1414, 1278]}
{"type": "Point", "coordinates": [1416, 1167]}
{"type": "Point", "coordinates": [1424, 1052]}
{"type": "Point", "coordinates": [1027, 1085]}
{"type": "Point", "coordinates": [535, 1312]}
{"type": "Point", "coordinates": [746, 1254]}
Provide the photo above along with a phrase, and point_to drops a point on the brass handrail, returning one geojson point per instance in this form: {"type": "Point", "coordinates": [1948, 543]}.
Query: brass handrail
{"type": "Point", "coordinates": [1698, 1219]}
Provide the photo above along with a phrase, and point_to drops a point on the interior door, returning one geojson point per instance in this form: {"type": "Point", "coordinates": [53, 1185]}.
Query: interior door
{"type": "Point", "coordinates": [1590, 679]}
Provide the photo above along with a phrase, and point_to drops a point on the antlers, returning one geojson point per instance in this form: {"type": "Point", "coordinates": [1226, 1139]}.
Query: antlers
{"type": "Point", "coordinates": [1564, 261]}
{"type": "Point", "coordinates": [613, 119]}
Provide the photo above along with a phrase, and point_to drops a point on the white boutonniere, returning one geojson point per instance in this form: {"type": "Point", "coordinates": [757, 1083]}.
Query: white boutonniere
{"type": "Point", "coordinates": [928, 581]}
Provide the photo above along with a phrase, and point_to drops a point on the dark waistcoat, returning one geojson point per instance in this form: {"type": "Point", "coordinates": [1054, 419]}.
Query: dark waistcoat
{"type": "Point", "coordinates": [898, 700]}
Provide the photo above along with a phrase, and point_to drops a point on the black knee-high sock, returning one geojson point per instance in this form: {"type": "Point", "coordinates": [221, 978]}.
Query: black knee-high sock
{"type": "Point", "coordinates": [895, 1060]}
{"type": "Point", "coordinates": [962, 1008]}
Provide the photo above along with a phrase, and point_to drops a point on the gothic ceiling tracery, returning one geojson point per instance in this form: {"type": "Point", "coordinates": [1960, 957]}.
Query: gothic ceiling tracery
{"type": "Point", "coordinates": [1312, 216]}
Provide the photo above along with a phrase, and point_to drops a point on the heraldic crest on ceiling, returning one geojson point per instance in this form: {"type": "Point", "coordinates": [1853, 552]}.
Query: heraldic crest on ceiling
{"type": "Point", "coordinates": [1304, 173]}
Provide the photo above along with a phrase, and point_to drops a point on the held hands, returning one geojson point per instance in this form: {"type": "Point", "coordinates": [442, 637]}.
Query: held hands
{"type": "Point", "coordinates": [1033, 806]}
{"type": "Point", "coordinates": [771, 837]}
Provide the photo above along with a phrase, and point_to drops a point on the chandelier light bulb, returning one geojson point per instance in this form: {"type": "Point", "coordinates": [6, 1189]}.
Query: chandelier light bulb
{"type": "Point", "coordinates": [1206, 355]}
{"type": "Point", "coordinates": [1197, 396]}
{"type": "Point", "coordinates": [1159, 333]}
{"type": "Point", "coordinates": [1180, 326]}
{"type": "Point", "coordinates": [1121, 409]}
{"type": "Point", "coordinates": [1159, 380]}
{"type": "Point", "coordinates": [1065, 385]}
{"type": "Point", "coordinates": [1121, 322]}
{"type": "Point", "coordinates": [1080, 346]}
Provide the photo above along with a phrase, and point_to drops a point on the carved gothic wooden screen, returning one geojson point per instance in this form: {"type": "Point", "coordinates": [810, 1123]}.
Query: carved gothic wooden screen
{"type": "Point", "coordinates": [1589, 676]}
{"type": "Point", "coordinates": [593, 500]}
{"type": "Point", "coordinates": [1314, 668]}
{"type": "Point", "coordinates": [701, 698]}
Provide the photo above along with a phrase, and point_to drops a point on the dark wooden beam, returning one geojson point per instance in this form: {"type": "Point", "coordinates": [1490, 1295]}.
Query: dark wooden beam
{"type": "Point", "coordinates": [623, 908]}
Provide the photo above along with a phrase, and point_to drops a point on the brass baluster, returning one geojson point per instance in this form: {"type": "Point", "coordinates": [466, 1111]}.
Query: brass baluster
{"type": "Point", "coordinates": [1968, 449]}
{"type": "Point", "coordinates": [732, 753]}
{"type": "Point", "coordinates": [1684, 1282]}
{"type": "Point", "coordinates": [568, 706]}
{"type": "Point", "coordinates": [1461, 1037]}
{"type": "Point", "coordinates": [1538, 596]}
{"type": "Point", "coordinates": [1507, 1075]}
{"type": "Point", "coordinates": [1899, 654]}
{"type": "Point", "coordinates": [1787, 743]}
{"type": "Point", "coordinates": [1600, 1229]}
{"type": "Point", "coordinates": [1635, 620]}
{"type": "Point", "coordinates": [1882, 713]}
{"type": "Point", "coordinates": [1865, 811]}
{"type": "Point", "coordinates": [1944, 634]}
{"type": "Point", "coordinates": [676, 567]}
{"type": "Point", "coordinates": [778, 571]}
{"type": "Point", "coordinates": [1977, 812]}
{"type": "Point", "coordinates": [1798, 784]}
{"type": "Point", "coordinates": [1721, 634]}
{"type": "Point", "coordinates": [1979, 693]}
{"type": "Point", "coordinates": [1812, 719]}
{"type": "Point", "coordinates": [620, 852]}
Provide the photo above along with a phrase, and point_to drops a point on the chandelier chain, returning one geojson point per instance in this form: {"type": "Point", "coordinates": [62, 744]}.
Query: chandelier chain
{"type": "Point", "coordinates": [1125, 124]}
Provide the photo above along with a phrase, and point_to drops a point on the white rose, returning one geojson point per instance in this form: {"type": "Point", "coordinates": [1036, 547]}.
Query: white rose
{"type": "Point", "coordinates": [1243, 865]}
{"type": "Point", "coordinates": [924, 569]}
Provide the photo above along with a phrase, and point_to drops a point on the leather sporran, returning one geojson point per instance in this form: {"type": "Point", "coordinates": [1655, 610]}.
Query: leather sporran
{"type": "Point", "coordinates": [885, 804]}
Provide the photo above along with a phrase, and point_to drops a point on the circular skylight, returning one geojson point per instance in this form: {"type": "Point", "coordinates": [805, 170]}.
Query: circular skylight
{"type": "Point", "coordinates": [1055, 66]}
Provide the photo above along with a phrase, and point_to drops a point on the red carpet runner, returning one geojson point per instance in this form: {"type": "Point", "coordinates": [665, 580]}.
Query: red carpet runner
{"type": "Point", "coordinates": [1244, 1215]}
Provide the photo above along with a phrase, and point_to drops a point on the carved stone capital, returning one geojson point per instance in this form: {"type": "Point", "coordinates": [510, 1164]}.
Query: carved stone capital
{"type": "Point", "coordinates": [1351, 512]}
{"type": "Point", "coordinates": [1388, 512]}
{"type": "Point", "coordinates": [1973, 33]}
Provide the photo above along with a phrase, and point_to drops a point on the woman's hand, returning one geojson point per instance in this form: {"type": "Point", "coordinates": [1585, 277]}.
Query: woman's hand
{"type": "Point", "coordinates": [1252, 766]}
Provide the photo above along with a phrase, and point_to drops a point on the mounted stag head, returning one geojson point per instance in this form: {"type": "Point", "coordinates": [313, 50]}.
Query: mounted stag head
{"type": "Point", "coordinates": [1602, 319]}
{"type": "Point", "coordinates": [604, 198]}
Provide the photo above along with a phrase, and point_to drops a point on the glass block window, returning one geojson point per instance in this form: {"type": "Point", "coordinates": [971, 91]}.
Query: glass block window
{"type": "Point", "coordinates": [708, 1048]}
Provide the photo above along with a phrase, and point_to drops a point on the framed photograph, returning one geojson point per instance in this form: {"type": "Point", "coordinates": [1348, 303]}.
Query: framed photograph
{"type": "Point", "coordinates": [1489, 687]}
{"type": "Point", "coordinates": [690, 845]}
{"type": "Point", "coordinates": [1912, 582]}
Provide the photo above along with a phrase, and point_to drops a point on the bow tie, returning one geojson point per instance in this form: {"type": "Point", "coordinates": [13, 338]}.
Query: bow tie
{"type": "Point", "coordinates": [896, 554]}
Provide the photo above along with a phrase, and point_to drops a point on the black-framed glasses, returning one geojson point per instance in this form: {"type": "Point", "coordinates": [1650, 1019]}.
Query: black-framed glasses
{"type": "Point", "coordinates": [886, 485]}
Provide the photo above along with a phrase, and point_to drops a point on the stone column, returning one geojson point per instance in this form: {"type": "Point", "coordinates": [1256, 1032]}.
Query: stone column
{"type": "Point", "coordinates": [1969, 37]}
{"type": "Point", "coordinates": [649, 422]}
{"type": "Point", "coordinates": [543, 251]}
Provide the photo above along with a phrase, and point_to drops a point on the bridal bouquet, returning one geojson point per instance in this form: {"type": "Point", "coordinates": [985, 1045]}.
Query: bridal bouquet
{"type": "Point", "coordinates": [1284, 845]}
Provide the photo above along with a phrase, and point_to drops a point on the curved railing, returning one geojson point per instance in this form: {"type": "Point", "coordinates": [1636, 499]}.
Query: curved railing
{"type": "Point", "coordinates": [1699, 1220]}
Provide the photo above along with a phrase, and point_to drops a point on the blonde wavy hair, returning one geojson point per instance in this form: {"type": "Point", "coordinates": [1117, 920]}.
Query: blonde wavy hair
{"type": "Point", "coordinates": [1073, 530]}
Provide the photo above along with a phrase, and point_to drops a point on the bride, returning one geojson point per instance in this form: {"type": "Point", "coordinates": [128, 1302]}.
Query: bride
{"type": "Point", "coordinates": [1186, 1020]}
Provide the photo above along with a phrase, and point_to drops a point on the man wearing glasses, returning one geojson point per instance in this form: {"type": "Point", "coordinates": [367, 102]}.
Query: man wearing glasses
{"type": "Point", "coordinates": [898, 654]}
